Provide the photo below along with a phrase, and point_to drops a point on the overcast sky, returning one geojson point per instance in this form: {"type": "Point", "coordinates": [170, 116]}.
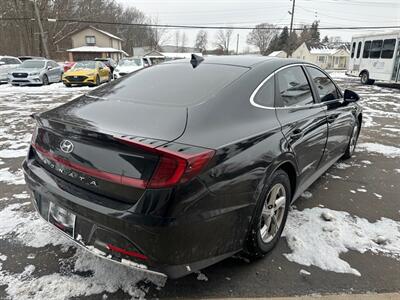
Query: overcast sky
{"type": "Point", "coordinates": [252, 12]}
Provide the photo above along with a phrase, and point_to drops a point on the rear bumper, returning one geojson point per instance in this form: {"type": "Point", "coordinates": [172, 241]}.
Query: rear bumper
{"type": "Point", "coordinates": [173, 248]}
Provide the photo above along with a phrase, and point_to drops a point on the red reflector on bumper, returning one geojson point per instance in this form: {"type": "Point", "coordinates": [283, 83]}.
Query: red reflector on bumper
{"type": "Point", "coordinates": [127, 252]}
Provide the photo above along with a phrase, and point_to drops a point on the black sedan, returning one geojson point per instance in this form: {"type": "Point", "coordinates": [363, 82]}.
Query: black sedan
{"type": "Point", "coordinates": [178, 166]}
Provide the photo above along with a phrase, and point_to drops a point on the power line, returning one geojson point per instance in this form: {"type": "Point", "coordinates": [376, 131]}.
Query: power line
{"type": "Point", "coordinates": [194, 26]}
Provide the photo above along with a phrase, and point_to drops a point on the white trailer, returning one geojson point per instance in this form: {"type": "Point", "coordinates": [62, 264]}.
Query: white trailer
{"type": "Point", "coordinates": [375, 56]}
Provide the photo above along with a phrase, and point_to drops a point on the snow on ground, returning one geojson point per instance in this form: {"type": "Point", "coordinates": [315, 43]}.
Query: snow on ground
{"type": "Point", "coordinates": [388, 151]}
{"type": "Point", "coordinates": [318, 240]}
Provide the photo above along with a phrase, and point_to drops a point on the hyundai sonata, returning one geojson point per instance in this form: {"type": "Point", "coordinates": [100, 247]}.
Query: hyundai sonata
{"type": "Point", "coordinates": [180, 165]}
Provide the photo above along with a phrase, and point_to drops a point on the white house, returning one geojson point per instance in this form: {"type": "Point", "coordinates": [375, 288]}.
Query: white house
{"type": "Point", "coordinates": [327, 57]}
{"type": "Point", "coordinates": [91, 42]}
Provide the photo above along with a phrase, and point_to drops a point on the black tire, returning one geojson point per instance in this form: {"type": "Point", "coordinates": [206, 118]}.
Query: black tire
{"type": "Point", "coordinates": [97, 83]}
{"type": "Point", "coordinates": [364, 78]}
{"type": "Point", "coordinates": [67, 84]}
{"type": "Point", "coordinates": [45, 80]}
{"type": "Point", "coordinates": [109, 77]}
{"type": "Point", "coordinates": [255, 245]}
{"type": "Point", "coordinates": [353, 141]}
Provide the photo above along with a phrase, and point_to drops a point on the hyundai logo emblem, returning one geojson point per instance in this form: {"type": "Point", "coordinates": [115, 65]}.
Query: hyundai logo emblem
{"type": "Point", "coordinates": [66, 146]}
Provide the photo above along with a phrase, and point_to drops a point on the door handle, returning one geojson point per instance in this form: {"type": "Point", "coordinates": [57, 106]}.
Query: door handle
{"type": "Point", "coordinates": [296, 134]}
{"type": "Point", "coordinates": [332, 118]}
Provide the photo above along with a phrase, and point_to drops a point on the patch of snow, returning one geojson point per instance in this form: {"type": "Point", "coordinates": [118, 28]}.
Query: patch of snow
{"type": "Point", "coordinates": [306, 195]}
{"type": "Point", "coordinates": [342, 165]}
{"type": "Point", "coordinates": [397, 170]}
{"type": "Point", "coordinates": [10, 153]}
{"type": "Point", "coordinates": [201, 276]}
{"type": "Point", "coordinates": [388, 151]}
{"type": "Point", "coordinates": [367, 162]}
{"type": "Point", "coordinates": [314, 241]}
{"type": "Point", "coordinates": [304, 272]}
{"type": "Point", "coordinates": [11, 178]}
{"type": "Point", "coordinates": [353, 191]}
{"type": "Point", "coordinates": [378, 195]}
{"type": "Point", "coordinates": [3, 257]}
{"type": "Point", "coordinates": [362, 190]}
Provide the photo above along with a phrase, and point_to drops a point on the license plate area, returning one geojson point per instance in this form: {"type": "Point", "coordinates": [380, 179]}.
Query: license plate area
{"type": "Point", "coordinates": [62, 219]}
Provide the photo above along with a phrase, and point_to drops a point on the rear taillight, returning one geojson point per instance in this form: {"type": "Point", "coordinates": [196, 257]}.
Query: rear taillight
{"type": "Point", "coordinates": [174, 167]}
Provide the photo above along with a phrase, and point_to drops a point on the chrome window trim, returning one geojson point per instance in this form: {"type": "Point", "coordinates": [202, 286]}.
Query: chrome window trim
{"type": "Point", "coordinates": [315, 105]}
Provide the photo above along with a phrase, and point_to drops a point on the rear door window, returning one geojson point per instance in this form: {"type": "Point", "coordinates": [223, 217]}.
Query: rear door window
{"type": "Point", "coordinates": [293, 87]}
{"type": "Point", "coordinates": [326, 89]}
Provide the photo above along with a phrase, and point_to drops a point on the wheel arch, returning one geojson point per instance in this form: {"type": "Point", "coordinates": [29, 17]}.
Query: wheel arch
{"type": "Point", "coordinates": [287, 163]}
{"type": "Point", "coordinates": [363, 71]}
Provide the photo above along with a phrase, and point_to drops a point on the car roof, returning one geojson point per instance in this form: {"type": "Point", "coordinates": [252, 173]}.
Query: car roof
{"type": "Point", "coordinates": [241, 60]}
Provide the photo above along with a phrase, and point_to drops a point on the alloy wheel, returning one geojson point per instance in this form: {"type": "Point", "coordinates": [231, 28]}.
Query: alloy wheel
{"type": "Point", "coordinates": [273, 212]}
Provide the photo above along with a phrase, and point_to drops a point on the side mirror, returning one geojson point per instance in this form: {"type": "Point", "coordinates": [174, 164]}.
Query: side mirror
{"type": "Point", "coordinates": [350, 96]}
{"type": "Point", "coordinates": [49, 67]}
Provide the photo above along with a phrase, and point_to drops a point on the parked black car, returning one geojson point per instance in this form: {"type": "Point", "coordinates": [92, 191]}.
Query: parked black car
{"type": "Point", "coordinates": [176, 167]}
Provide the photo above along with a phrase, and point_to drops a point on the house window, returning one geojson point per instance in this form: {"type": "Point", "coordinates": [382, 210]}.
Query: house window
{"type": "Point", "coordinates": [90, 40]}
{"type": "Point", "coordinates": [336, 60]}
{"type": "Point", "coordinates": [321, 59]}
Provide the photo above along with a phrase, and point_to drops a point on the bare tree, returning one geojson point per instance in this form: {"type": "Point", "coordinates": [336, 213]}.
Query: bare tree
{"type": "Point", "coordinates": [261, 36]}
{"type": "Point", "coordinates": [183, 42]}
{"type": "Point", "coordinates": [159, 36]}
{"type": "Point", "coordinates": [177, 40]}
{"type": "Point", "coordinates": [201, 40]}
{"type": "Point", "coordinates": [223, 39]}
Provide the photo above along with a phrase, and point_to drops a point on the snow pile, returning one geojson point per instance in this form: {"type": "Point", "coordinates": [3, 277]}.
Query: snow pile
{"type": "Point", "coordinates": [11, 178]}
{"type": "Point", "coordinates": [318, 236]}
{"type": "Point", "coordinates": [388, 151]}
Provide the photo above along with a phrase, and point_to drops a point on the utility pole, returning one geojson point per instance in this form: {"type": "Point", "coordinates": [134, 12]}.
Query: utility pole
{"type": "Point", "coordinates": [292, 15]}
{"type": "Point", "coordinates": [42, 34]}
{"type": "Point", "coordinates": [291, 27]}
{"type": "Point", "coordinates": [237, 44]}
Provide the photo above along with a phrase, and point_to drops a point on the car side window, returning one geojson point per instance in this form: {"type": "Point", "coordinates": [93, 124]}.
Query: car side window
{"type": "Point", "coordinates": [326, 89]}
{"type": "Point", "coordinates": [294, 89]}
{"type": "Point", "coordinates": [266, 94]}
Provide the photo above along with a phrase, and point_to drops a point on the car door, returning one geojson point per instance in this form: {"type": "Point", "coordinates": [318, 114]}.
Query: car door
{"type": "Point", "coordinates": [340, 114]}
{"type": "Point", "coordinates": [57, 71]}
{"type": "Point", "coordinates": [302, 118]}
{"type": "Point", "coordinates": [103, 72]}
{"type": "Point", "coordinates": [50, 71]}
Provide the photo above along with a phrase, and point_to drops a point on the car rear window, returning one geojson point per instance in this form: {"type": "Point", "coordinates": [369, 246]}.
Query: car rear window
{"type": "Point", "coordinates": [175, 84]}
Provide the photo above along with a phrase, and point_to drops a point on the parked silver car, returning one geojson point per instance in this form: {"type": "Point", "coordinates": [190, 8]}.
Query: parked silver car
{"type": "Point", "coordinates": [7, 64]}
{"type": "Point", "coordinates": [36, 72]}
